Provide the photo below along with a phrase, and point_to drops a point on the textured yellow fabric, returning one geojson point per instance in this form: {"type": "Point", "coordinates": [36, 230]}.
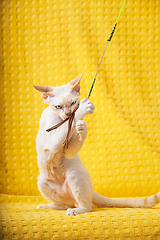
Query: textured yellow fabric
{"type": "Point", "coordinates": [49, 42]}
{"type": "Point", "coordinates": [21, 220]}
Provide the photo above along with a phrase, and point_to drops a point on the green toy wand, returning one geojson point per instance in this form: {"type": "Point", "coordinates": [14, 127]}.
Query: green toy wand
{"type": "Point", "coordinates": [108, 40]}
{"type": "Point", "coordinates": [71, 117]}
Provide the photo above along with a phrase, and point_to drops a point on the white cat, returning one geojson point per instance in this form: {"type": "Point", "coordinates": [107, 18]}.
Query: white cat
{"type": "Point", "coordinates": [63, 179]}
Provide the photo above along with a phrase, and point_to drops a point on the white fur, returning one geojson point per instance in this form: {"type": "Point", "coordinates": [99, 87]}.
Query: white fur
{"type": "Point", "coordinates": [63, 179]}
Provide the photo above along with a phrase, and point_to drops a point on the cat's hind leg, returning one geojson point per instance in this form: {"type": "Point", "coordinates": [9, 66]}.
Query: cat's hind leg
{"type": "Point", "coordinates": [49, 191]}
{"type": "Point", "coordinates": [82, 209]}
{"type": "Point", "coordinates": [81, 188]}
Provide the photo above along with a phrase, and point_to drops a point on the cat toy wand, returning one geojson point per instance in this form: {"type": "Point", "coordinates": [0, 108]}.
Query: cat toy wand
{"type": "Point", "coordinates": [71, 117]}
{"type": "Point", "coordinates": [108, 40]}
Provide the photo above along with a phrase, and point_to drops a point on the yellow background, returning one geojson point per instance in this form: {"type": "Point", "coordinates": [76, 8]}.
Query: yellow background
{"type": "Point", "coordinates": [50, 42]}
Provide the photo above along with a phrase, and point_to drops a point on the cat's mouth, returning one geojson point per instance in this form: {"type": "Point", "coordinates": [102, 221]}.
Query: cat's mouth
{"type": "Point", "coordinates": [65, 116]}
{"type": "Point", "coordinates": [68, 115]}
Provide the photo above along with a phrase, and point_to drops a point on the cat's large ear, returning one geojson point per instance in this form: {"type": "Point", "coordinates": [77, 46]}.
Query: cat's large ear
{"type": "Point", "coordinates": [45, 90]}
{"type": "Point", "coordinates": [75, 83]}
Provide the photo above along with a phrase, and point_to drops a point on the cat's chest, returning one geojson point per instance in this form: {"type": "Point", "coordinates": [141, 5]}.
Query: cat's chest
{"type": "Point", "coordinates": [54, 168]}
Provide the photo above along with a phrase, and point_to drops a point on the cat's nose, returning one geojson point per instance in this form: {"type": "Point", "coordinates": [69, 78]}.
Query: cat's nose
{"type": "Point", "coordinates": [68, 113]}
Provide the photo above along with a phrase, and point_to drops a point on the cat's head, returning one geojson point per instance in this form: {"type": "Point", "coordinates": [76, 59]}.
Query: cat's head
{"type": "Point", "coordinates": [64, 99]}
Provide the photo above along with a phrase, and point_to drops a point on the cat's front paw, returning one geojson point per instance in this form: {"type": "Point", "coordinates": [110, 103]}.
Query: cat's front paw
{"type": "Point", "coordinates": [86, 107]}
{"type": "Point", "coordinates": [81, 128]}
{"type": "Point", "coordinates": [71, 212]}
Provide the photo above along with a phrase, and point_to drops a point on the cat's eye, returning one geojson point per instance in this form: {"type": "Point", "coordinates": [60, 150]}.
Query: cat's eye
{"type": "Point", "coordinates": [58, 107]}
{"type": "Point", "coordinates": [73, 103]}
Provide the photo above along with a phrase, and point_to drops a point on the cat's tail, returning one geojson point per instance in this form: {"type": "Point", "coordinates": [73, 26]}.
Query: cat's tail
{"type": "Point", "coordinates": [101, 201]}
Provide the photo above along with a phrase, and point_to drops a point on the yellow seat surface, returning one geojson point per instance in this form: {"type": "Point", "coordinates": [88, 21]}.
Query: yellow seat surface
{"type": "Point", "coordinates": [50, 42]}
{"type": "Point", "coordinates": [21, 220]}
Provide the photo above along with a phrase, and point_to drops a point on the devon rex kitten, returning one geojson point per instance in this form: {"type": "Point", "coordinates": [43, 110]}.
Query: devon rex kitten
{"type": "Point", "coordinates": [63, 179]}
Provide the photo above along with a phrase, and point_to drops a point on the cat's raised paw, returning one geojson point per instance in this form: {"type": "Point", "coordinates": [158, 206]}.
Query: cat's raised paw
{"type": "Point", "coordinates": [85, 107]}
{"type": "Point", "coordinates": [81, 128]}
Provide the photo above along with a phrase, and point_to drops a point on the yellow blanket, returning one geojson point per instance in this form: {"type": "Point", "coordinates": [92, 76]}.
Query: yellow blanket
{"type": "Point", "coordinates": [50, 42]}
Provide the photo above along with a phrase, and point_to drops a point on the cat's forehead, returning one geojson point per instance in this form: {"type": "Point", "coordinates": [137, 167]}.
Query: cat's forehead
{"type": "Point", "coordinates": [61, 90]}
{"type": "Point", "coordinates": [64, 96]}
{"type": "Point", "coordinates": [65, 99]}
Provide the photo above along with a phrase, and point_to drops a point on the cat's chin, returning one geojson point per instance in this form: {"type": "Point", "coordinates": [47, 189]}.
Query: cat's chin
{"type": "Point", "coordinates": [64, 116]}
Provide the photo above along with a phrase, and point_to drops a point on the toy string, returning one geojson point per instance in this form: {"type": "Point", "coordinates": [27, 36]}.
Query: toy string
{"type": "Point", "coordinates": [71, 117]}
